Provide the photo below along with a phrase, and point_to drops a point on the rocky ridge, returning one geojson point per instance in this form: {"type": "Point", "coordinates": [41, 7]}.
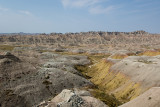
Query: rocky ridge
{"type": "Point", "coordinates": [113, 40]}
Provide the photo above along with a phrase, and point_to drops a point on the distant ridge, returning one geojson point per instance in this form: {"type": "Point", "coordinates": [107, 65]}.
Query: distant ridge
{"type": "Point", "coordinates": [54, 33]}
{"type": "Point", "coordinates": [20, 33]}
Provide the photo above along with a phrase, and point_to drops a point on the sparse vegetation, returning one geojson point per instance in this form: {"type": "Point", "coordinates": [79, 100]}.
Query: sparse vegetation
{"type": "Point", "coordinates": [94, 58]}
{"type": "Point", "coordinates": [6, 47]}
{"type": "Point", "coordinates": [118, 56]}
{"type": "Point", "coordinates": [150, 53]}
{"type": "Point", "coordinates": [46, 82]}
{"type": "Point", "coordinates": [41, 51]}
{"type": "Point", "coordinates": [149, 98]}
{"type": "Point", "coordinates": [112, 86]}
{"type": "Point", "coordinates": [145, 61]}
{"type": "Point", "coordinates": [110, 100]}
{"type": "Point", "coordinates": [97, 74]}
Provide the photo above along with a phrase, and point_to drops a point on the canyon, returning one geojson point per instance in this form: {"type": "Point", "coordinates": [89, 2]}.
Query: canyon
{"type": "Point", "coordinates": [86, 69]}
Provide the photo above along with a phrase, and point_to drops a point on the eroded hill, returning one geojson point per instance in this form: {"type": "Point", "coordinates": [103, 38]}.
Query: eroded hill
{"type": "Point", "coordinates": [114, 67]}
{"type": "Point", "coordinates": [108, 40]}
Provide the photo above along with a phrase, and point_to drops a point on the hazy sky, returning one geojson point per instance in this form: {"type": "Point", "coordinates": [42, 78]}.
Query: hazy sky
{"type": "Point", "coordinates": [46, 16]}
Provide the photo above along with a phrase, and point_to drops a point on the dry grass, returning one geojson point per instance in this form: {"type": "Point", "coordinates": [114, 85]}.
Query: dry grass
{"type": "Point", "coordinates": [145, 61]}
{"type": "Point", "coordinates": [6, 47]}
{"type": "Point", "coordinates": [97, 92]}
{"type": "Point", "coordinates": [131, 91]}
{"type": "Point", "coordinates": [110, 100]}
{"type": "Point", "coordinates": [111, 82]}
{"type": "Point", "coordinates": [108, 81]}
{"type": "Point", "coordinates": [94, 58]}
{"type": "Point", "coordinates": [150, 53]}
{"type": "Point", "coordinates": [10, 47]}
{"type": "Point", "coordinates": [117, 56]}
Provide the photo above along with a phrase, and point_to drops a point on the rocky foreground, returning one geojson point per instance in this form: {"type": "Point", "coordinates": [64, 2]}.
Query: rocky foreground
{"type": "Point", "coordinates": [23, 84]}
{"type": "Point", "coordinates": [73, 98]}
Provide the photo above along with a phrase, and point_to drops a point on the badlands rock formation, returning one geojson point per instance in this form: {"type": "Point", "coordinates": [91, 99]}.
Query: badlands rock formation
{"type": "Point", "coordinates": [125, 76]}
{"type": "Point", "coordinates": [150, 98]}
{"type": "Point", "coordinates": [73, 98]}
{"type": "Point", "coordinates": [78, 69]}
{"type": "Point", "coordinates": [140, 69]}
{"type": "Point", "coordinates": [22, 84]}
{"type": "Point", "coordinates": [109, 40]}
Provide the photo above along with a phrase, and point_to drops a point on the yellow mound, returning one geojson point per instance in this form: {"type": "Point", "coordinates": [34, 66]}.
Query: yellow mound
{"type": "Point", "coordinates": [6, 47]}
{"type": "Point", "coordinates": [150, 53]}
{"type": "Point", "coordinates": [113, 82]}
{"type": "Point", "coordinates": [119, 56]}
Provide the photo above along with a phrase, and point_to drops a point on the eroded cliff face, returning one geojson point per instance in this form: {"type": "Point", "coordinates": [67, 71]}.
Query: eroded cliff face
{"type": "Point", "coordinates": [44, 65]}
{"type": "Point", "coordinates": [116, 83]}
{"type": "Point", "coordinates": [125, 76]}
{"type": "Point", "coordinates": [129, 40]}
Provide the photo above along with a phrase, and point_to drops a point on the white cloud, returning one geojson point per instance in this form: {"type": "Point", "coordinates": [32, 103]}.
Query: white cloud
{"type": "Point", "coordinates": [101, 10]}
{"type": "Point", "coordinates": [21, 21]}
{"type": "Point", "coordinates": [93, 6]}
{"type": "Point", "coordinates": [10, 11]}
{"type": "Point", "coordinates": [3, 9]}
{"type": "Point", "coordinates": [79, 3]}
{"type": "Point", "coordinates": [25, 12]}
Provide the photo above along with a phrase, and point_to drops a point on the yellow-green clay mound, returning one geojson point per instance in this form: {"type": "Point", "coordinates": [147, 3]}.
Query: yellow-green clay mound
{"type": "Point", "coordinates": [150, 53]}
{"type": "Point", "coordinates": [127, 78]}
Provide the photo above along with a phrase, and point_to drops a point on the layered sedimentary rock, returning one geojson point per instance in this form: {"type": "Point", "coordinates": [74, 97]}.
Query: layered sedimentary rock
{"type": "Point", "coordinates": [113, 40]}
{"type": "Point", "coordinates": [150, 98]}
{"type": "Point", "coordinates": [126, 78]}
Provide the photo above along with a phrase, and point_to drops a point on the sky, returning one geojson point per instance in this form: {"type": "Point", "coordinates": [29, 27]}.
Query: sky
{"type": "Point", "coordinates": [62, 16]}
